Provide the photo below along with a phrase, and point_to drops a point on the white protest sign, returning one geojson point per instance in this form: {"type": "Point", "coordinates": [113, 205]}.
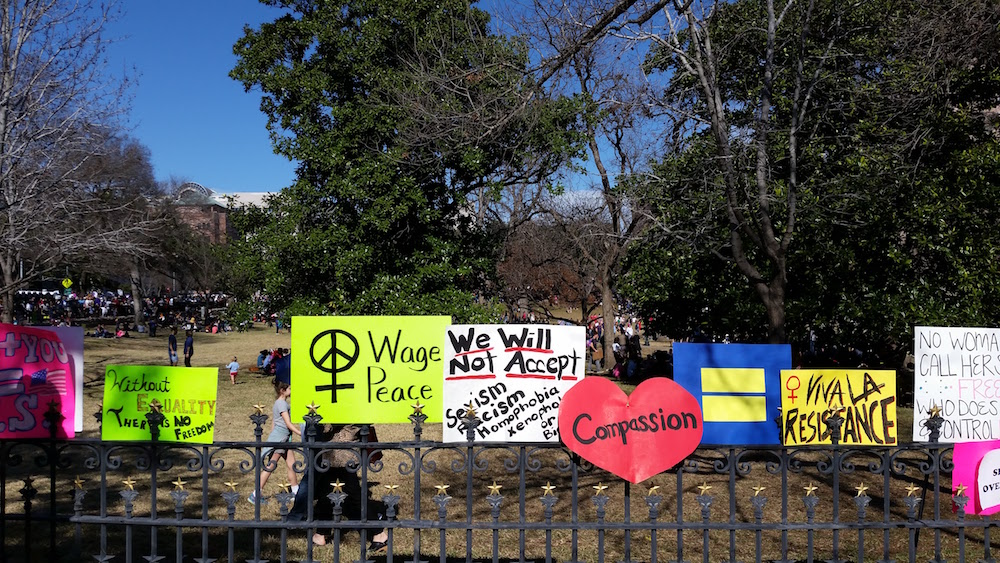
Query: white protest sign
{"type": "Point", "coordinates": [958, 371]}
{"type": "Point", "coordinates": [988, 480]}
{"type": "Point", "coordinates": [513, 376]}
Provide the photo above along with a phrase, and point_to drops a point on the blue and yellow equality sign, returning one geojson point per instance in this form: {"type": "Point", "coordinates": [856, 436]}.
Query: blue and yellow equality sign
{"type": "Point", "coordinates": [738, 387]}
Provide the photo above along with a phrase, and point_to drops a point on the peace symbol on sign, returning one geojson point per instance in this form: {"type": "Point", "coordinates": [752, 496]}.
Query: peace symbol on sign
{"type": "Point", "coordinates": [329, 359]}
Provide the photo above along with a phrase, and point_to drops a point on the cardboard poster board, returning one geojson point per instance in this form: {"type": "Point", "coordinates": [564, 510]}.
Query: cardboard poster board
{"type": "Point", "coordinates": [633, 436]}
{"type": "Point", "coordinates": [367, 369]}
{"type": "Point", "coordinates": [738, 387]}
{"type": "Point", "coordinates": [866, 399]}
{"type": "Point", "coordinates": [957, 370]}
{"type": "Point", "coordinates": [72, 339]}
{"type": "Point", "coordinates": [187, 395]}
{"type": "Point", "coordinates": [37, 369]}
{"type": "Point", "coordinates": [977, 467]}
{"type": "Point", "coordinates": [514, 376]}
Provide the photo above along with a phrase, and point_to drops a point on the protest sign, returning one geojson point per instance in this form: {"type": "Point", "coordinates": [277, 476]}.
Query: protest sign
{"type": "Point", "coordinates": [72, 339]}
{"type": "Point", "coordinates": [367, 369]}
{"type": "Point", "coordinates": [976, 467]}
{"type": "Point", "coordinates": [865, 399]}
{"type": "Point", "coordinates": [513, 376]}
{"type": "Point", "coordinates": [988, 481]}
{"type": "Point", "coordinates": [738, 387]}
{"type": "Point", "coordinates": [186, 397]}
{"type": "Point", "coordinates": [36, 371]}
{"type": "Point", "coordinates": [633, 436]}
{"type": "Point", "coordinates": [958, 371]}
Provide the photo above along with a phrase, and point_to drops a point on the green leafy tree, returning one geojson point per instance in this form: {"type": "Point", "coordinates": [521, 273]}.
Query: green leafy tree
{"type": "Point", "coordinates": [921, 151]}
{"type": "Point", "coordinates": [400, 114]}
{"type": "Point", "coordinates": [890, 223]}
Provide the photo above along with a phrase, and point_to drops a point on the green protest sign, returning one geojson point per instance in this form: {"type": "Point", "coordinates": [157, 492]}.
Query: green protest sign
{"type": "Point", "coordinates": [186, 397]}
{"type": "Point", "coordinates": [368, 369]}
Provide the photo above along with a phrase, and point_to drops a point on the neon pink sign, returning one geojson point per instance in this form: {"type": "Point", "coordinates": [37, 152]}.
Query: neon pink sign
{"type": "Point", "coordinates": [36, 371]}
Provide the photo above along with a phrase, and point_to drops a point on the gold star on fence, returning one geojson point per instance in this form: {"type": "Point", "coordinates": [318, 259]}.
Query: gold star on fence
{"type": "Point", "coordinates": [911, 490]}
{"type": "Point", "coordinates": [548, 488]}
{"type": "Point", "coordinates": [338, 487]}
{"type": "Point", "coordinates": [494, 488]}
{"type": "Point", "coordinates": [258, 409]}
{"type": "Point", "coordinates": [442, 489]}
{"type": "Point", "coordinates": [810, 490]}
{"type": "Point", "coordinates": [391, 488]}
{"type": "Point", "coordinates": [286, 487]}
{"type": "Point", "coordinates": [179, 484]}
{"type": "Point", "coordinates": [758, 490]}
{"type": "Point", "coordinates": [704, 488]}
{"type": "Point", "coordinates": [231, 485]}
{"type": "Point", "coordinates": [129, 483]}
{"type": "Point", "coordinates": [600, 488]}
{"type": "Point", "coordinates": [155, 406]}
{"type": "Point", "coordinates": [312, 407]}
{"type": "Point", "coordinates": [935, 411]}
{"type": "Point", "coordinates": [960, 490]}
{"type": "Point", "coordinates": [78, 483]}
{"type": "Point", "coordinates": [861, 489]}
{"type": "Point", "coordinates": [53, 405]}
{"type": "Point", "coordinates": [653, 490]}
{"type": "Point", "coordinates": [418, 408]}
{"type": "Point", "coordinates": [470, 410]}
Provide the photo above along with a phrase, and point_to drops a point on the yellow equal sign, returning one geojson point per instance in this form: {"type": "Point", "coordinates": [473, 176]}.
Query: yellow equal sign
{"type": "Point", "coordinates": [733, 395]}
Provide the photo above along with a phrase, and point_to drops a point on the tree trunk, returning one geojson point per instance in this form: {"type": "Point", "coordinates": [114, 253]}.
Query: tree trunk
{"type": "Point", "coordinates": [137, 297]}
{"type": "Point", "coordinates": [773, 297]}
{"type": "Point", "coordinates": [7, 298]}
{"type": "Point", "coordinates": [8, 307]}
{"type": "Point", "coordinates": [608, 313]}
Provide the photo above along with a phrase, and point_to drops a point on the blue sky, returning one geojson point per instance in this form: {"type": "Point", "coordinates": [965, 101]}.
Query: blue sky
{"type": "Point", "coordinates": [198, 123]}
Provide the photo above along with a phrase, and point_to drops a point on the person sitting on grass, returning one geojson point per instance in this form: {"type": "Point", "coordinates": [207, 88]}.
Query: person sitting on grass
{"type": "Point", "coordinates": [338, 471]}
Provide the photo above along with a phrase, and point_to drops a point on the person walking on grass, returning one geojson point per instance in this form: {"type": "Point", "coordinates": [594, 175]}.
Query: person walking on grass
{"type": "Point", "coordinates": [234, 368]}
{"type": "Point", "coordinates": [188, 348]}
{"type": "Point", "coordinates": [172, 346]}
{"type": "Point", "coordinates": [281, 431]}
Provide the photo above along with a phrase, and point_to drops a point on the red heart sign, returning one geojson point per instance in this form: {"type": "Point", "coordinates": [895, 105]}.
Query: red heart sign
{"type": "Point", "coordinates": [634, 437]}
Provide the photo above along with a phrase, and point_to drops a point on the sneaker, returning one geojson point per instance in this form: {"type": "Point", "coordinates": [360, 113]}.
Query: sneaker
{"type": "Point", "coordinates": [252, 498]}
{"type": "Point", "coordinates": [295, 489]}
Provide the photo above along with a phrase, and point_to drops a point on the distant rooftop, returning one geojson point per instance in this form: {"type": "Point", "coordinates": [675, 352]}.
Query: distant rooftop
{"type": "Point", "coordinates": [193, 193]}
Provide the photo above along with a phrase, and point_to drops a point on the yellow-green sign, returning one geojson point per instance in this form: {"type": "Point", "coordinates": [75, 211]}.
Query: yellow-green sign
{"type": "Point", "coordinates": [368, 369]}
{"type": "Point", "coordinates": [185, 396]}
{"type": "Point", "coordinates": [865, 399]}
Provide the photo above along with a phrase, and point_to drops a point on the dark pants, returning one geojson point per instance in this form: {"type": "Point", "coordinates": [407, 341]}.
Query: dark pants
{"type": "Point", "coordinates": [350, 507]}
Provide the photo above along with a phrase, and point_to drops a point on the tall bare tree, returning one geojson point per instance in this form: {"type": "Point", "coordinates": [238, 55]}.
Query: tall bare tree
{"type": "Point", "coordinates": [120, 177]}
{"type": "Point", "coordinates": [57, 105]}
{"type": "Point", "coordinates": [756, 127]}
{"type": "Point", "coordinates": [600, 218]}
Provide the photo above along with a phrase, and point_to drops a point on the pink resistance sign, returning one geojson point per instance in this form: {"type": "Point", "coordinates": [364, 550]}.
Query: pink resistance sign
{"type": "Point", "coordinates": [36, 370]}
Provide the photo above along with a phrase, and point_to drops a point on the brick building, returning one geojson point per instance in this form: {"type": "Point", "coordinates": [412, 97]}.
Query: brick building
{"type": "Point", "coordinates": [203, 211]}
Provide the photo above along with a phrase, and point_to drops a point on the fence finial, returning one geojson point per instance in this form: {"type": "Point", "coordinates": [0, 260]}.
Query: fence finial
{"type": "Point", "coordinates": [934, 423]}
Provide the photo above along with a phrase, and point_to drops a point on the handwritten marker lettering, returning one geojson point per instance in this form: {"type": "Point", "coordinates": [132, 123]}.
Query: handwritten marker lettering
{"type": "Point", "coordinates": [514, 376]}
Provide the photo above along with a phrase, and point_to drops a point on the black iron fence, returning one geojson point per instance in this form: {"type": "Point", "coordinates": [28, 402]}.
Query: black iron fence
{"type": "Point", "coordinates": [85, 499]}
